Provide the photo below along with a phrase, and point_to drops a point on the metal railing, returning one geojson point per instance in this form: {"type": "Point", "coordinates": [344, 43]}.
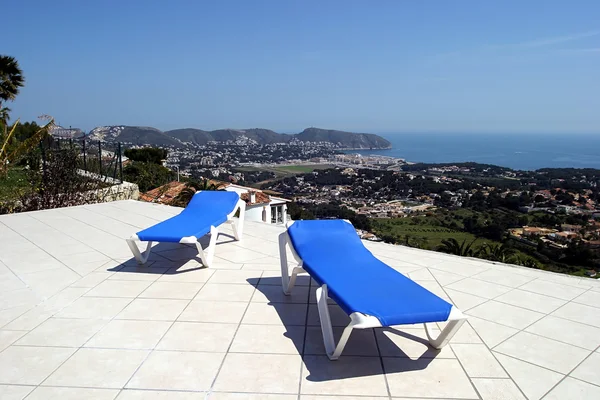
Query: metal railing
{"type": "Point", "coordinates": [96, 157]}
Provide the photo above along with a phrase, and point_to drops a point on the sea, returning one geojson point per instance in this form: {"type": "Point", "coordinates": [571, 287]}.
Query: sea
{"type": "Point", "coordinates": [516, 151]}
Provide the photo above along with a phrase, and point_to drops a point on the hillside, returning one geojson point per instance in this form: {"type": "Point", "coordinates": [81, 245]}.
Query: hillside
{"type": "Point", "coordinates": [345, 140]}
{"type": "Point", "coordinates": [180, 137]}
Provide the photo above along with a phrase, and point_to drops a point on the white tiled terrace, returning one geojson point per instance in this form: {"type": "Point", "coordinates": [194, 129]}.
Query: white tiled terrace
{"type": "Point", "coordinates": [79, 320]}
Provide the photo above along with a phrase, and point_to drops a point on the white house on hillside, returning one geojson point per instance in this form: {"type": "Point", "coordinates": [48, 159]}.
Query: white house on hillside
{"type": "Point", "coordinates": [261, 207]}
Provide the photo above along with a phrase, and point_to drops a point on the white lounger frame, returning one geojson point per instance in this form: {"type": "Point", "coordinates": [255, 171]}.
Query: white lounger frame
{"type": "Point", "coordinates": [206, 255]}
{"type": "Point", "coordinates": [357, 320]}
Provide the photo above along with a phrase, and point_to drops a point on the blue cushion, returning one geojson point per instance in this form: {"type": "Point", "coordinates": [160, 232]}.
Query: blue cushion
{"type": "Point", "coordinates": [206, 209]}
{"type": "Point", "coordinates": [333, 254]}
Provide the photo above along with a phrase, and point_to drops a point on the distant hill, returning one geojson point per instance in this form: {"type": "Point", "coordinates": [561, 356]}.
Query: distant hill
{"type": "Point", "coordinates": [344, 139]}
{"type": "Point", "coordinates": [180, 137]}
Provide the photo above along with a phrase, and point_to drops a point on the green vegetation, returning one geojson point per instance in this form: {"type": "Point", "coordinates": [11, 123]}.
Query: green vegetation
{"type": "Point", "coordinates": [300, 169]}
{"type": "Point", "coordinates": [418, 231]}
{"type": "Point", "coordinates": [13, 184]}
{"type": "Point", "coordinates": [147, 154]}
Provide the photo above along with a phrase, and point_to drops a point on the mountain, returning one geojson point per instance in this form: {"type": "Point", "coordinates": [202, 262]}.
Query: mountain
{"type": "Point", "coordinates": [180, 137]}
{"type": "Point", "coordinates": [346, 140]}
{"type": "Point", "coordinates": [137, 135]}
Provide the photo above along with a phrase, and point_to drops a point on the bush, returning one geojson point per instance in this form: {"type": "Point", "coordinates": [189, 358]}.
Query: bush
{"type": "Point", "coordinates": [147, 175]}
{"type": "Point", "coordinates": [147, 154]}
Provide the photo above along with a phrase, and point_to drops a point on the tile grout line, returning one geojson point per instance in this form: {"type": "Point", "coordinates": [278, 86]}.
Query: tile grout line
{"type": "Point", "coordinates": [209, 391]}
{"type": "Point", "coordinates": [305, 335]}
{"type": "Point", "coordinates": [565, 376]}
{"type": "Point", "coordinates": [162, 336]}
{"type": "Point", "coordinates": [456, 355]}
{"type": "Point", "coordinates": [90, 338]}
{"type": "Point", "coordinates": [35, 244]}
{"type": "Point", "coordinates": [387, 385]}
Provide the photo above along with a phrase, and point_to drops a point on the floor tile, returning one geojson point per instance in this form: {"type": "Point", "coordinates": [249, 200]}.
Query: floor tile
{"type": "Point", "coordinates": [25, 365]}
{"type": "Point", "coordinates": [153, 309]}
{"type": "Point", "coordinates": [478, 361]}
{"type": "Point", "coordinates": [249, 396]}
{"type": "Point", "coordinates": [358, 376]}
{"type": "Point", "coordinates": [92, 279]}
{"type": "Point", "coordinates": [504, 276]}
{"type": "Point", "coordinates": [274, 294]}
{"type": "Point", "coordinates": [466, 334]}
{"type": "Point", "coordinates": [139, 273]}
{"type": "Point", "coordinates": [198, 336]}
{"type": "Point", "coordinates": [445, 278]}
{"type": "Point", "coordinates": [464, 301]}
{"type": "Point", "coordinates": [579, 313]}
{"type": "Point", "coordinates": [505, 314]}
{"type": "Point", "coordinates": [531, 301]}
{"type": "Point", "coordinates": [171, 290]}
{"type": "Point", "coordinates": [214, 311]}
{"type": "Point", "coordinates": [573, 389]}
{"type": "Point", "coordinates": [254, 373]}
{"type": "Point", "coordinates": [552, 289]}
{"type": "Point", "coordinates": [9, 337]}
{"type": "Point", "coordinates": [132, 394]}
{"type": "Point", "coordinates": [129, 334]}
{"type": "Point", "coordinates": [275, 314]}
{"type": "Point", "coordinates": [498, 389]}
{"type": "Point", "coordinates": [567, 331]}
{"type": "Point", "coordinates": [98, 368]}
{"type": "Point", "coordinates": [408, 342]}
{"type": "Point", "coordinates": [490, 332]}
{"type": "Point", "coordinates": [268, 339]}
{"type": "Point", "coordinates": [361, 342]}
{"type": "Point", "coordinates": [225, 292]}
{"type": "Point", "coordinates": [317, 397]}
{"type": "Point", "coordinates": [56, 393]}
{"type": "Point", "coordinates": [188, 273]}
{"type": "Point", "coordinates": [62, 332]}
{"type": "Point", "coordinates": [14, 392]}
{"type": "Point", "coordinates": [441, 378]}
{"type": "Point", "coordinates": [94, 307]}
{"type": "Point", "coordinates": [115, 288]}
{"type": "Point", "coordinates": [546, 353]}
{"type": "Point", "coordinates": [534, 381]}
{"type": "Point", "coordinates": [589, 298]}
{"type": "Point", "coordinates": [479, 288]}
{"type": "Point", "coordinates": [589, 370]}
{"type": "Point", "coordinates": [175, 370]}
{"type": "Point", "coordinates": [337, 315]}
{"type": "Point", "coordinates": [242, 277]}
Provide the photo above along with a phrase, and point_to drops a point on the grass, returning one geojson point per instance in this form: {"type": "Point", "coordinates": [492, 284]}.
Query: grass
{"type": "Point", "coordinates": [13, 184]}
{"type": "Point", "coordinates": [431, 236]}
{"type": "Point", "coordinates": [301, 169]}
{"type": "Point", "coordinates": [286, 171]}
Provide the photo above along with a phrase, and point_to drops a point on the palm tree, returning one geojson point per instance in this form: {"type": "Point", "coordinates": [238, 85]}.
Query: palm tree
{"type": "Point", "coordinates": [191, 187]}
{"type": "Point", "coordinates": [451, 246]}
{"type": "Point", "coordinates": [497, 252]}
{"type": "Point", "coordinates": [11, 78]}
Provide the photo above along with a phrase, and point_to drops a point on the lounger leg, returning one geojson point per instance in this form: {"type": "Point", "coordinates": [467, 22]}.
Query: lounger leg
{"type": "Point", "coordinates": [238, 227]}
{"type": "Point", "coordinates": [333, 351]}
{"type": "Point", "coordinates": [445, 336]}
{"type": "Point", "coordinates": [207, 255]}
{"type": "Point", "coordinates": [141, 258]}
{"type": "Point", "coordinates": [287, 281]}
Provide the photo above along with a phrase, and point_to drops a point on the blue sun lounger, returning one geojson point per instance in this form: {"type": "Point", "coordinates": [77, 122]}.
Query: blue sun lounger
{"type": "Point", "coordinates": [372, 293]}
{"type": "Point", "coordinates": [203, 215]}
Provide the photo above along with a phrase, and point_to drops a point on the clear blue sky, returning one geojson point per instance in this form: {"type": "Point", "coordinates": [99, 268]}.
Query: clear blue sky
{"type": "Point", "coordinates": [378, 66]}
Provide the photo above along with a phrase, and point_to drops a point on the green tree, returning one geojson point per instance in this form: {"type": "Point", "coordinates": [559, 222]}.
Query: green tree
{"type": "Point", "coordinates": [11, 78]}
{"type": "Point", "coordinates": [451, 246]}
{"type": "Point", "coordinates": [497, 252]}
{"type": "Point", "coordinates": [147, 154]}
{"type": "Point", "coordinates": [191, 187]}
